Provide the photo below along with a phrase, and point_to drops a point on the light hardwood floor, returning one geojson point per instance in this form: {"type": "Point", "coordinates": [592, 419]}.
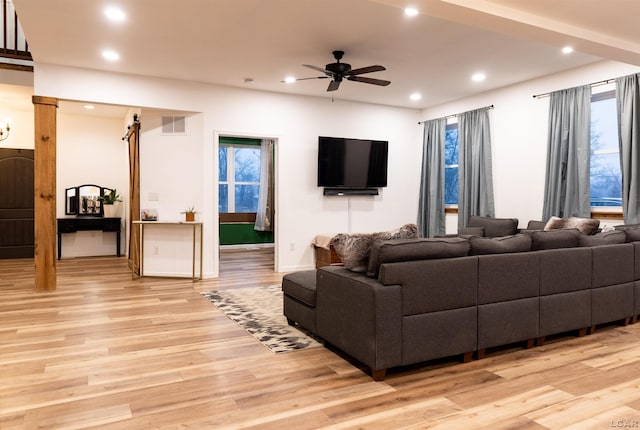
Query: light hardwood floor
{"type": "Point", "coordinates": [105, 351]}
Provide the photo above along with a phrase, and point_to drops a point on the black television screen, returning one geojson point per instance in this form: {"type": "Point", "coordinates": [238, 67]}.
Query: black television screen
{"type": "Point", "coordinates": [352, 163]}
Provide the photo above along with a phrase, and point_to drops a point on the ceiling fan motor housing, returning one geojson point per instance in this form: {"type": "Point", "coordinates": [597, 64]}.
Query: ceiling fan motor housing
{"type": "Point", "coordinates": [338, 69]}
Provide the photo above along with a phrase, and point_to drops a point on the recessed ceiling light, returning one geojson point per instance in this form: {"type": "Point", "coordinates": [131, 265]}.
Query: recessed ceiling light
{"type": "Point", "coordinates": [110, 55]}
{"type": "Point", "coordinates": [411, 11]}
{"type": "Point", "coordinates": [114, 14]}
{"type": "Point", "coordinates": [478, 77]}
{"type": "Point", "coordinates": [89, 107]}
{"type": "Point", "coordinates": [415, 96]}
{"type": "Point", "coordinates": [290, 79]}
{"type": "Point", "coordinates": [567, 50]}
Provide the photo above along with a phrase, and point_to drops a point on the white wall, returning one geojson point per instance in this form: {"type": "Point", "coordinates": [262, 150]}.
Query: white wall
{"type": "Point", "coordinates": [90, 150]}
{"type": "Point", "coordinates": [519, 136]}
{"type": "Point", "coordinates": [182, 169]}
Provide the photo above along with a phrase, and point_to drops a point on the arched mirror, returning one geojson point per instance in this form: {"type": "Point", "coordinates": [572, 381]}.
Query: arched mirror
{"type": "Point", "coordinates": [84, 200]}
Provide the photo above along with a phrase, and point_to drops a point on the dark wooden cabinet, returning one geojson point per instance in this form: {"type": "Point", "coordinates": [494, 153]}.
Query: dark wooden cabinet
{"type": "Point", "coordinates": [72, 225]}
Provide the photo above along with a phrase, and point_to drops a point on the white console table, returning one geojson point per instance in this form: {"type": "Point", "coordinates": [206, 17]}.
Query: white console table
{"type": "Point", "coordinates": [196, 239]}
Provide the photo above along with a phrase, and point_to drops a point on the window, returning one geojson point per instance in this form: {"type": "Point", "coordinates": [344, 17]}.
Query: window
{"type": "Point", "coordinates": [238, 178]}
{"type": "Point", "coordinates": [451, 165]}
{"type": "Point", "coordinates": [605, 174]}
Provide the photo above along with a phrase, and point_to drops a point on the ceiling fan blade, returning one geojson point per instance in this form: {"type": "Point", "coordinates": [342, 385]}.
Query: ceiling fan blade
{"type": "Point", "coordinates": [333, 85]}
{"type": "Point", "coordinates": [318, 69]}
{"type": "Point", "coordinates": [368, 69]}
{"type": "Point", "coordinates": [306, 79]}
{"type": "Point", "coordinates": [380, 82]}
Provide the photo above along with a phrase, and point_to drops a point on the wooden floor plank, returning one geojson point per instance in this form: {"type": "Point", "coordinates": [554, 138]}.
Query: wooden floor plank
{"type": "Point", "coordinates": [107, 351]}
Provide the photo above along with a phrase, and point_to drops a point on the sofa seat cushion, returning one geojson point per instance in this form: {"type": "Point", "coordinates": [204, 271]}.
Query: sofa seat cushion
{"type": "Point", "coordinates": [494, 227]}
{"type": "Point", "coordinates": [584, 225]}
{"type": "Point", "coordinates": [554, 239]}
{"type": "Point", "coordinates": [393, 251]}
{"type": "Point", "coordinates": [500, 245]}
{"type": "Point", "coordinates": [301, 286]}
{"type": "Point", "coordinates": [354, 249]}
{"type": "Point", "coordinates": [604, 238]}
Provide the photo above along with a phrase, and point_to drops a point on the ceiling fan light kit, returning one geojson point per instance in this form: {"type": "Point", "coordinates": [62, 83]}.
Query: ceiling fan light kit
{"type": "Point", "coordinates": [338, 71]}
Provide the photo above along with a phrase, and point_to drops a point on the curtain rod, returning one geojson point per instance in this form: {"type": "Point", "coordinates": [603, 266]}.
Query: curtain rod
{"type": "Point", "coordinates": [454, 115]}
{"type": "Point", "coordinates": [592, 84]}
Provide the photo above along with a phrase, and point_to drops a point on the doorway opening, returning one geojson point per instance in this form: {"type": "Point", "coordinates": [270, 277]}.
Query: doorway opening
{"type": "Point", "coordinates": [246, 203]}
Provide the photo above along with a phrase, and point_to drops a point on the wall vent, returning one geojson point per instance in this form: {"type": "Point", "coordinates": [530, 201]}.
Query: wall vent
{"type": "Point", "coordinates": [174, 125]}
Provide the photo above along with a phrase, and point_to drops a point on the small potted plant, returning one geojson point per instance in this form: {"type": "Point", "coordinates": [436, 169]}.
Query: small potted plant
{"type": "Point", "coordinates": [109, 201]}
{"type": "Point", "coordinates": [189, 214]}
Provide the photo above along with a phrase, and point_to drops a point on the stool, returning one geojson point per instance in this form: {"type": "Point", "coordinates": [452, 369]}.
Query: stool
{"type": "Point", "coordinates": [299, 298]}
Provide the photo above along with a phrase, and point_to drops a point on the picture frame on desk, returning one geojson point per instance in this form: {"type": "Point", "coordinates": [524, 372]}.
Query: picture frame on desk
{"type": "Point", "coordinates": [148, 215]}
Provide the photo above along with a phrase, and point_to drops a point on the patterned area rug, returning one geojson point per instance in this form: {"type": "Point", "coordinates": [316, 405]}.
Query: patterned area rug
{"type": "Point", "coordinates": [259, 311]}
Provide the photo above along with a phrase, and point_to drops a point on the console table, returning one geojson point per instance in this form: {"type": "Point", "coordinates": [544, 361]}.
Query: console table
{"type": "Point", "coordinates": [196, 225]}
{"type": "Point", "coordinates": [73, 225]}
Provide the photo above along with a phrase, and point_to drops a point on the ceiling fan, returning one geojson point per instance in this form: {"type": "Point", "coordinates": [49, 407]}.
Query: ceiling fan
{"type": "Point", "coordinates": [338, 71]}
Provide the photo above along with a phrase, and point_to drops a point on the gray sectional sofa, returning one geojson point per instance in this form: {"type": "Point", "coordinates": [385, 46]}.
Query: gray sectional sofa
{"type": "Point", "coordinates": [423, 299]}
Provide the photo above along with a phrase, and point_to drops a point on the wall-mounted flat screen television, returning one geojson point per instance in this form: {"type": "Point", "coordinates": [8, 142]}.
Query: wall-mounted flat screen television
{"type": "Point", "coordinates": [352, 163]}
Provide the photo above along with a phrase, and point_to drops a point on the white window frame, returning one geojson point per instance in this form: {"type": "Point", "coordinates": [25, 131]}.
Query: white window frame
{"type": "Point", "coordinates": [607, 92]}
{"type": "Point", "coordinates": [231, 174]}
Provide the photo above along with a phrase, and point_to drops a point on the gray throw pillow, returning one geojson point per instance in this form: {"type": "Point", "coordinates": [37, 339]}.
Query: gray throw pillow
{"type": "Point", "coordinates": [584, 225]}
{"type": "Point", "coordinates": [500, 245]}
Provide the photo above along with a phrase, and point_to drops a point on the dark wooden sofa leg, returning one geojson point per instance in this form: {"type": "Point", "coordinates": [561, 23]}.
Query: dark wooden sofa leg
{"type": "Point", "coordinates": [540, 341]}
{"type": "Point", "coordinates": [467, 356]}
{"type": "Point", "coordinates": [582, 332]}
{"type": "Point", "coordinates": [378, 375]}
{"type": "Point", "coordinates": [480, 353]}
{"type": "Point", "coordinates": [529, 343]}
{"type": "Point", "coordinates": [591, 330]}
{"type": "Point", "coordinates": [634, 319]}
{"type": "Point", "coordinates": [625, 321]}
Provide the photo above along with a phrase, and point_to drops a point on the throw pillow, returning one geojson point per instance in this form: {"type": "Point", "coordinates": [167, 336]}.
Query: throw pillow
{"type": "Point", "coordinates": [354, 249]}
{"type": "Point", "coordinates": [584, 225]}
{"type": "Point", "coordinates": [500, 245]}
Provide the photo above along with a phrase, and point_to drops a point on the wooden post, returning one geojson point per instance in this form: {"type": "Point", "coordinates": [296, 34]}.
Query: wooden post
{"type": "Point", "coordinates": [44, 185]}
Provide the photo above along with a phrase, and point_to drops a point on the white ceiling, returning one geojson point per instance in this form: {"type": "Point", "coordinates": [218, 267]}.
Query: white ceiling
{"type": "Point", "coordinates": [435, 53]}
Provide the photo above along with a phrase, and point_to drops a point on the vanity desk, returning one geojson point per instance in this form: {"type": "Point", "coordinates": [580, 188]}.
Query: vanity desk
{"type": "Point", "coordinates": [85, 202]}
{"type": "Point", "coordinates": [73, 225]}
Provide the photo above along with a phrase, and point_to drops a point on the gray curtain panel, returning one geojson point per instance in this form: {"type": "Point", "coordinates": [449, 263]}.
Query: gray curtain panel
{"type": "Point", "coordinates": [431, 218]}
{"type": "Point", "coordinates": [475, 175]}
{"type": "Point", "coordinates": [264, 215]}
{"type": "Point", "coordinates": [568, 151]}
{"type": "Point", "coordinates": [628, 103]}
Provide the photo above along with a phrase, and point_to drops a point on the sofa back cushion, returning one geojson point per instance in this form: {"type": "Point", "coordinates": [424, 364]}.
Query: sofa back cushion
{"type": "Point", "coordinates": [500, 245]}
{"type": "Point", "coordinates": [611, 237]}
{"type": "Point", "coordinates": [631, 231]}
{"type": "Point", "coordinates": [354, 249]}
{"type": "Point", "coordinates": [393, 251]}
{"type": "Point", "coordinates": [554, 239]}
{"type": "Point", "coordinates": [494, 227]}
